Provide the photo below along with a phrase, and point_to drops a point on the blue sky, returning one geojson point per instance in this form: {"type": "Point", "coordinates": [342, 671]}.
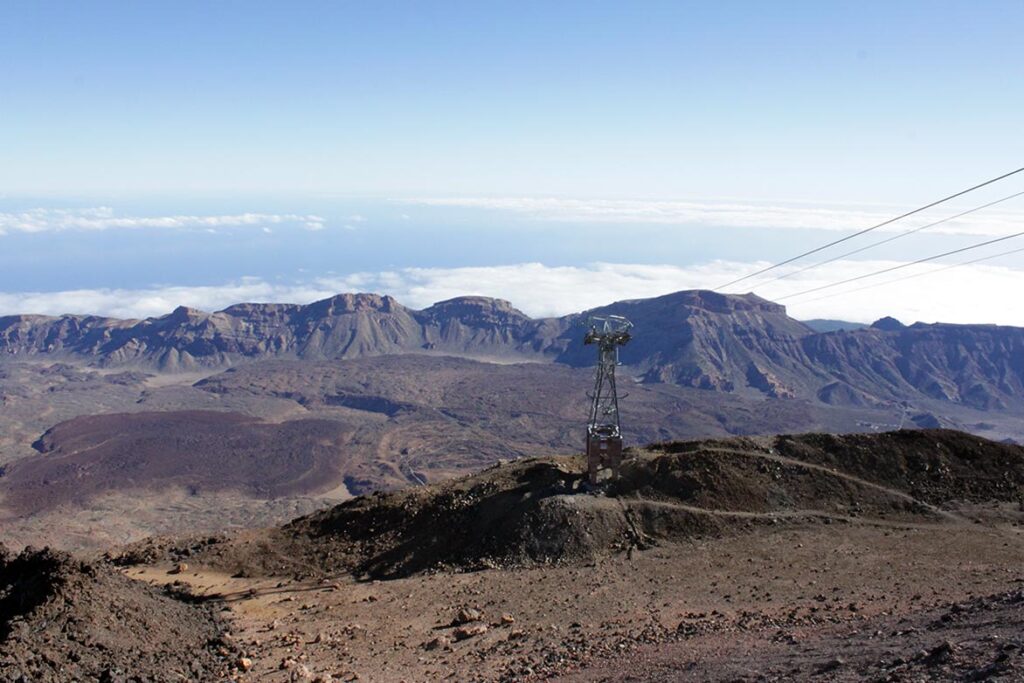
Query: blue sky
{"type": "Point", "coordinates": [423, 135]}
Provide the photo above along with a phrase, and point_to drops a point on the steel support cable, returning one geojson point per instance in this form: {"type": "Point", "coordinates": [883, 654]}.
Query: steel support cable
{"type": "Point", "coordinates": [891, 239]}
{"type": "Point", "coordinates": [911, 277]}
{"type": "Point", "coordinates": [867, 230]}
{"type": "Point", "coordinates": [901, 266]}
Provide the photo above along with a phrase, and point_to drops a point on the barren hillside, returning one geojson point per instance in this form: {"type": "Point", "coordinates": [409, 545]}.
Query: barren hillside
{"type": "Point", "coordinates": [895, 556]}
{"type": "Point", "coordinates": [725, 343]}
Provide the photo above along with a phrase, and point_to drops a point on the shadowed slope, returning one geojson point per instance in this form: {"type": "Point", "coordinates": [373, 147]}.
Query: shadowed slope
{"type": "Point", "coordinates": [536, 510]}
{"type": "Point", "coordinates": [62, 619]}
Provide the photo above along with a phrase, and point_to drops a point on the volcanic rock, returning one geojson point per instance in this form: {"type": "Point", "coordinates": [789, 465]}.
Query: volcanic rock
{"type": "Point", "coordinates": [536, 510]}
{"type": "Point", "coordinates": [63, 619]}
{"type": "Point", "coordinates": [725, 343]}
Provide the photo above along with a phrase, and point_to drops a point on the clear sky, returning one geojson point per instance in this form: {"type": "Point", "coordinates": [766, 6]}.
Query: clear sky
{"type": "Point", "coordinates": [198, 151]}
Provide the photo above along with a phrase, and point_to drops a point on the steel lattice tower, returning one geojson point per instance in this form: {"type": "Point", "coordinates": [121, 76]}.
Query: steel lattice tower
{"type": "Point", "coordinates": [604, 434]}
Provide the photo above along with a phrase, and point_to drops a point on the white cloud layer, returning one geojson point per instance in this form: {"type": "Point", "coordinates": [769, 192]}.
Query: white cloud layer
{"type": "Point", "coordinates": [104, 218]}
{"type": "Point", "coordinates": [972, 294]}
{"type": "Point", "coordinates": [731, 214]}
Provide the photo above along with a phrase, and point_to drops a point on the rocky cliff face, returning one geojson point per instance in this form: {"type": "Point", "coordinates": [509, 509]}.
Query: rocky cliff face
{"type": "Point", "coordinates": [981, 366]}
{"type": "Point", "coordinates": [727, 343]}
{"type": "Point", "coordinates": [708, 341]}
{"type": "Point", "coordinates": [477, 325]}
{"type": "Point", "coordinates": [344, 326]}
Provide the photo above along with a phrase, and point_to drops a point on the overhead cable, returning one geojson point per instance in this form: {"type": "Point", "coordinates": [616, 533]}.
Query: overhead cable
{"type": "Point", "coordinates": [901, 266]}
{"type": "Point", "coordinates": [914, 275]}
{"type": "Point", "coordinates": [891, 239]}
{"type": "Point", "coordinates": [867, 230]}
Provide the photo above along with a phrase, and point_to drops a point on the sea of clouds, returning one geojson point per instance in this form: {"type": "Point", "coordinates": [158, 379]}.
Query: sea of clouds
{"type": "Point", "coordinates": [971, 294]}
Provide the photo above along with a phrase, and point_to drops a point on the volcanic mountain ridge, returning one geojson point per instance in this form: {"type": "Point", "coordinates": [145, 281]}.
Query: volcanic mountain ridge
{"type": "Point", "coordinates": [727, 343]}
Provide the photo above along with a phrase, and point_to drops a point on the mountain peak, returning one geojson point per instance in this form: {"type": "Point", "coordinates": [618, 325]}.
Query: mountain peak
{"type": "Point", "coordinates": [183, 314]}
{"type": "Point", "coordinates": [353, 303]}
{"type": "Point", "coordinates": [888, 324]}
{"type": "Point", "coordinates": [714, 301]}
{"type": "Point", "coordinates": [482, 303]}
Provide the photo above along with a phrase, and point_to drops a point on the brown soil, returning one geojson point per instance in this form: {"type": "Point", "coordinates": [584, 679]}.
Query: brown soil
{"type": "Point", "coordinates": [977, 639]}
{"type": "Point", "coordinates": [766, 602]}
{"type": "Point", "coordinates": [894, 557]}
{"type": "Point", "coordinates": [366, 424]}
{"type": "Point", "coordinates": [538, 510]}
{"type": "Point", "coordinates": [62, 619]}
{"type": "Point", "coordinates": [202, 451]}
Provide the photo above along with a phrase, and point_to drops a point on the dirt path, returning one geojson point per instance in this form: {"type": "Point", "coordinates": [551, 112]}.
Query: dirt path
{"type": "Point", "coordinates": [793, 514]}
{"type": "Point", "coordinates": [895, 493]}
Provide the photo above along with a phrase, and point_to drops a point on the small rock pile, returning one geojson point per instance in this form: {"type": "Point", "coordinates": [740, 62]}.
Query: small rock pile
{"type": "Point", "coordinates": [62, 619]}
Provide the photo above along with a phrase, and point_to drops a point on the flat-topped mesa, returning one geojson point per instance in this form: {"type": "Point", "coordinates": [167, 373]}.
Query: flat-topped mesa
{"type": "Point", "coordinates": [476, 310]}
{"type": "Point", "coordinates": [716, 302]}
{"type": "Point", "coordinates": [709, 341]}
{"type": "Point", "coordinates": [684, 310]}
{"type": "Point", "coordinates": [340, 304]}
{"type": "Point", "coordinates": [484, 327]}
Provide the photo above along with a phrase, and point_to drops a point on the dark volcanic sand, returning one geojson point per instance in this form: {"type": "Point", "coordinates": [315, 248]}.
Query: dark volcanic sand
{"type": "Point", "coordinates": [199, 450]}
{"type": "Point", "coordinates": [888, 557]}
{"type": "Point", "coordinates": [63, 619]}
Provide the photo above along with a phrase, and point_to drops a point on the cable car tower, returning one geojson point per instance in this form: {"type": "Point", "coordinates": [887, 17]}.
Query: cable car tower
{"type": "Point", "coordinates": [604, 436]}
